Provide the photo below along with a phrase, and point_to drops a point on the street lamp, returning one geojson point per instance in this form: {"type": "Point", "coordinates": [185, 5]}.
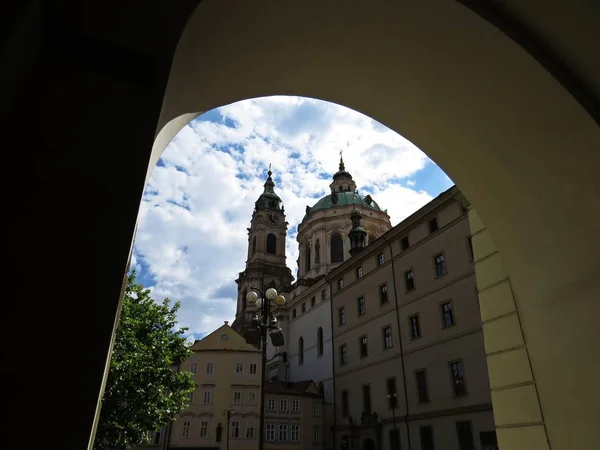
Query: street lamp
{"type": "Point", "coordinates": [265, 322]}
{"type": "Point", "coordinates": [227, 413]}
{"type": "Point", "coordinates": [393, 399]}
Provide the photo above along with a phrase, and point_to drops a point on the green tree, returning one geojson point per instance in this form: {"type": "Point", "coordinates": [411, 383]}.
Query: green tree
{"type": "Point", "coordinates": [145, 389]}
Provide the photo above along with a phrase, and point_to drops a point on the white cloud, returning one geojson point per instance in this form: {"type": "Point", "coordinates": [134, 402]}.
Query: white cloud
{"type": "Point", "coordinates": [192, 237]}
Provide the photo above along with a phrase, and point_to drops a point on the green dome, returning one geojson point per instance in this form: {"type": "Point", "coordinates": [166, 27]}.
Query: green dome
{"type": "Point", "coordinates": [341, 199]}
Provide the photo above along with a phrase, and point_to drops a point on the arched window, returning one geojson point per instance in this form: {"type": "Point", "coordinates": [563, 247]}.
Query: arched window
{"type": "Point", "coordinates": [307, 258]}
{"type": "Point", "coordinates": [254, 245]}
{"type": "Point", "coordinates": [301, 351]}
{"type": "Point", "coordinates": [317, 252]}
{"type": "Point", "coordinates": [337, 248]}
{"type": "Point", "coordinates": [320, 341]}
{"type": "Point", "coordinates": [271, 243]}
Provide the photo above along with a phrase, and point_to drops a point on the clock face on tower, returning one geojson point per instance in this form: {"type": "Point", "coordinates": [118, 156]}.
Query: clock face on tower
{"type": "Point", "coordinates": [273, 218]}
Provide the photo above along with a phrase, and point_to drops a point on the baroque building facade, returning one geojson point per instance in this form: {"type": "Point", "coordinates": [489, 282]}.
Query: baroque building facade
{"type": "Point", "coordinates": [377, 316]}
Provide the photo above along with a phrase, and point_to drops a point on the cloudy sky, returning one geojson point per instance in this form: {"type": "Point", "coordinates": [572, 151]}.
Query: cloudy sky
{"type": "Point", "coordinates": [192, 240]}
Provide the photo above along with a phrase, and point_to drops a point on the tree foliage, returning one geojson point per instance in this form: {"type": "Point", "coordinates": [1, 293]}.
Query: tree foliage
{"type": "Point", "coordinates": [145, 389]}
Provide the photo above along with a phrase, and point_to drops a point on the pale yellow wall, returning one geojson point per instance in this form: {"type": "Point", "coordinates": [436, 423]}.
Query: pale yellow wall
{"type": "Point", "coordinates": [222, 383]}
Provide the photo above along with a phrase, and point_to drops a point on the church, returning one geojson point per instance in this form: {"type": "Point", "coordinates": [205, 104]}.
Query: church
{"type": "Point", "coordinates": [383, 320]}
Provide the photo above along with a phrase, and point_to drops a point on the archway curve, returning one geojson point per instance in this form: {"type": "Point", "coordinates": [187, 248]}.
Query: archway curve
{"type": "Point", "coordinates": [481, 107]}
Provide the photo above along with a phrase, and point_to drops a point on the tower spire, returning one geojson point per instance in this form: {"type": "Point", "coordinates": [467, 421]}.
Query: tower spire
{"type": "Point", "coordinates": [342, 167]}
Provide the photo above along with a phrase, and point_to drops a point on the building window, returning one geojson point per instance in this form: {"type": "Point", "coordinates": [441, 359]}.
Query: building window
{"type": "Point", "coordinates": [271, 243]}
{"type": "Point", "coordinates": [363, 345]}
{"type": "Point", "coordinates": [422, 388]}
{"type": "Point", "coordinates": [457, 372]}
{"type": "Point", "coordinates": [185, 432]}
{"type": "Point", "coordinates": [283, 432]}
{"type": "Point", "coordinates": [319, 341]}
{"type": "Point", "coordinates": [313, 301]}
{"type": "Point", "coordinates": [301, 350]}
{"type": "Point", "coordinates": [433, 225]}
{"type": "Point", "coordinates": [380, 259]}
{"type": "Point", "coordinates": [295, 433]}
{"type": "Point", "coordinates": [253, 368]}
{"type": "Point", "coordinates": [383, 294]}
{"type": "Point", "coordinates": [345, 404]}
{"type": "Point", "coordinates": [210, 368]}
{"type": "Point", "coordinates": [237, 397]}
{"type": "Point", "coordinates": [409, 280]}
{"type": "Point", "coordinates": [465, 436]}
{"type": "Point", "coordinates": [387, 337]}
{"type": "Point", "coordinates": [204, 429]}
{"type": "Point", "coordinates": [239, 368]}
{"type": "Point", "coordinates": [190, 397]}
{"type": "Point", "coordinates": [316, 409]}
{"type": "Point", "coordinates": [362, 308]}
{"type": "Point", "coordinates": [303, 308]}
{"type": "Point", "coordinates": [415, 326]}
{"type": "Point", "coordinates": [440, 265]}
{"type": "Point", "coordinates": [343, 355]}
{"type": "Point", "coordinates": [307, 258]}
{"type": "Point", "coordinates": [404, 243]}
{"type": "Point", "coordinates": [391, 392]}
{"type": "Point", "coordinates": [294, 313]}
{"type": "Point", "coordinates": [323, 295]}
{"type": "Point", "coordinates": [337, 248]}
{"type": "Point", "coordinates": [235, 429]}
{"type": "Point", "coordinates": [316, 434]}
{"type": "Point", "coordinates": [447, 314]}
{"type": "Point", "coordinates": [426, 436]}
{"type": "Point", "coordinates": [251, 398]}
{"type": "Point", "coordinates": [359, 272]}
{"type": "Point", "coordinates": [270, 432]}
{"type": "Point", "coordinates": [470, 249]}
{"type": "Point", "coordinates": [295, 405]}
{"type": "Point", "coordinates": [283, 405]}
{"type": "Point", "coordinates": [341, 316]}
{"type": "Point", "coordinates": [207, 397]}
{"type": "Point", "coordinates": [250, 429]}
{"type": "Point", "coordinates": [366, 389]}
{"type": "Point", "coordinates": [194, 368]}
{"type": "Point", "coordinates": [340, 284]}
{"type": "Point", "coordinates": [271, 404]}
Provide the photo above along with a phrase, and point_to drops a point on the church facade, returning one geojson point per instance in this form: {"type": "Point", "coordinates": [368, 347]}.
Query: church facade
{"type": "Point", "coordinates": [384, 320]}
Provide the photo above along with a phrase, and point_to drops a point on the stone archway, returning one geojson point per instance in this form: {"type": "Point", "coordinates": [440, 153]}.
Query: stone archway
{"type": "Point", "coordinates": [499, 132]}
{"type": "Point", "coordinates": [520, 143]}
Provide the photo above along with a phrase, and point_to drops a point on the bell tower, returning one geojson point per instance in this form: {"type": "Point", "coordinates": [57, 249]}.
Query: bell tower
{"type": "Point", "coordinates": [266, 260]}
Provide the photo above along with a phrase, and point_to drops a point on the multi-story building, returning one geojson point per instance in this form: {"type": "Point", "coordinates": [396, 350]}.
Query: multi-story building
{"type": "Point", "coordinates": [378, 315]}
{"type": "Point", "coordinates": [227, 373]}
{"type": "Point", "coordinates": [294, 416]}
{"type": "Point", "coordinates": [407, 332]}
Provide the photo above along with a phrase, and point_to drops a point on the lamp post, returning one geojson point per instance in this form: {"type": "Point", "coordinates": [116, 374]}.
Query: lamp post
{"type": "Point", "coordinates": [393, 399]}
{"type": "Point", "coordinates": [227, 413]}
{"type": "Point", "coordinates": [265, 322]}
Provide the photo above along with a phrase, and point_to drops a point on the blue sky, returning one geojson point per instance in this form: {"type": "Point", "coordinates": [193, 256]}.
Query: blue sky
{"type": "Point", "coordinates": [192, 239]}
